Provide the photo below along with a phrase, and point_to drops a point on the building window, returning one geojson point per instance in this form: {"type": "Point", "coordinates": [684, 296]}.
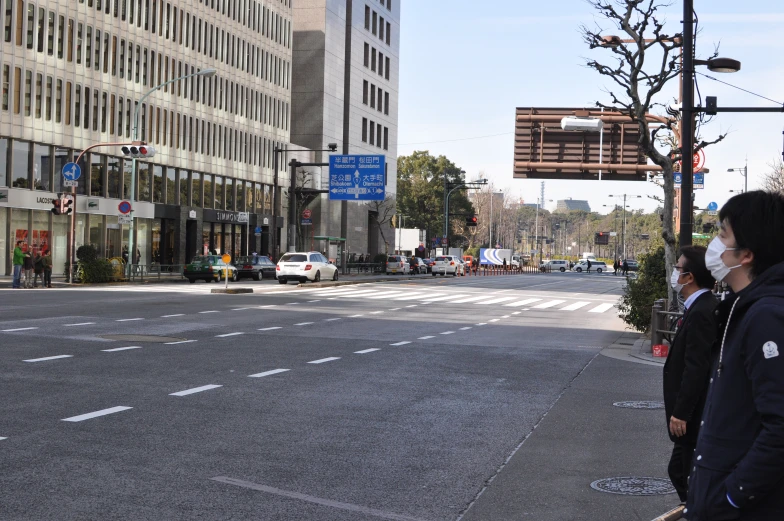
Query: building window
{"type": "Point", "coordinates": [17, 89]}
{"type": "Point", "coordinates": [389, 5]}
{"type": "Point", "coordinates": [381, 64]}
{"type": "Point", "coordinates": [60, 32]}
{"type": "Point", "coordinates": [6, 87]}
{"type": "Point", "coordinates": [39, 80]}
{"type": "Point", "coordinates": [48, 109]}
{"type": "Point", "coordinates": [367, 55]}
{"type": "Point", "coordinates": [386, 138]}
{"type": "Point", "coordinates": [386, 103]}
{"type": "Point", "coordinates": [50, 34]}
{"type": "Point", "coordinates": [28, 92]}
{"type": "Point", "coordinates": [373, 60]}
{"type": "Point", "coordinates": [365, 92]}
{"type": "Point", "coordinates": [381, 28]}
{"type": "Point", "coordinates": [380, 100]}
{"type": "Point", "coordinates": [8, 18]}
{"type": "Point", "coordinates": [58, 101]}
{"type": "Point", "coordinates": [367, 18]}
{"type": "Point", "coordinates": [389, 30]}
{"type": "Point", "coordinates": [70, 40]}
{"type": "Point", "coordinates": [30, 24]}
{"type": "Point", "coordinates": [375, 23]}
{"type": "Point", "coordinates": [88, 52]}
{"type": "Point", "coordinates": [372, 96]}
{"type": "Point", "coordinates": [364, 130]}
{"type": "Point", "coordinates": [378, 135]}
{"type": "Point", "coordinates": [97, 60]}
{"type": "Point", "coordinates": [41, 24]}
{"type": "Point", "coordinates": [386, 67]}
{"type": "Point", "coordinates": [372, 133]}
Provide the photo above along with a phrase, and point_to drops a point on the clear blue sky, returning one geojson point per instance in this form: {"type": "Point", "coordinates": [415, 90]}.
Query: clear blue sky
{"type": "Point", "coordinates": [465, 67]}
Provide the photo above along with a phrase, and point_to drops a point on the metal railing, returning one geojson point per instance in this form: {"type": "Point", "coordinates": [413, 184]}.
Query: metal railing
{"type": "Point", "coordinates": [158, 272]}
{"type": "Point", "coordinates": [662, 322]}
{"type": "Point", "coordinates": [364, 267]}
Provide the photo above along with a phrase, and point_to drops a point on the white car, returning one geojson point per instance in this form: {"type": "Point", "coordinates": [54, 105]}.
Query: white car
{"type": "Point", "coordinates": [446, 264]}
{"type": "Point", "coordinates": [398, 264]}
{"type": "Point", "coordinates": [307, 266]}
{"type": "Point", "coordinates": [597, 266]}
{"type": "Point", "coordinates": [555, 265]}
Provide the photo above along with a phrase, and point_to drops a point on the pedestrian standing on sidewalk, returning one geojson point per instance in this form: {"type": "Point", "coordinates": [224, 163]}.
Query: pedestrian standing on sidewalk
{"type": "Point", "coordinates": [18, 262]}
{"type": "Point", "coordinates": [47, 262]}
{"type": "Point", "coordinates": [28, 270]}
{"type": "Point", "coordinates": [616, 266]}
{"type": "Point", "coordinates": [688, 364]}
{"type": "Point", "coordinates": [738, 470]}
{"type": "Point", "coordinates": [625, 267]}
{"type": "Point", "coordinates": [589, 266]}
{"type": "Point", "coordinates": [38, 269]}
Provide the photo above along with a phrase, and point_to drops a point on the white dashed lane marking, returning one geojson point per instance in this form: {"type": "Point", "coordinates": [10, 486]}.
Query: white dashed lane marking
{"type": "Point", "coordinates": [228, 334]}
{"type": "Point", "coordinates": [19, 329]}
{"type": "Point", "coordinates": [196, 390]}
{"type": "Point", "coordinates": [494, 320]}
{"type": "Point", "coordinates": [400, 343]}
{"type": "Point", "coordinates": [312, 301]}
{"type": "Point", "coordinates": [170, 316]}
{"type": "Point", "coordinates": [366, 351]}
{"type": "Point", "coordinates": [178, 342]}
{"type": "Point", "coordinates": [239, 309]}
{"type": "Point", "coordinates": [268, 373]}
{"type": "Point", "coordinates": [465, 328]}
{"type": "Point", "coordinates": [46, 358]}
{"type": "Point", "coordinates": [425, 337]}
{"type": "Point", "coordinates": [331, 319]}
{"type": "Point", "coordinates": [204, 312]}
{"type": "Point", "coordinates": [481, 324]}
{"type": "Point", "coordinates": [447, 333]}
{"type": "Point", "coordinates": [120, 349]}
{"type": "Point", "coordinates": [495, 301]}
{"type": "Point", "coordinates": [79, 324]}
{"type": "Point", "coordinates": [96, 414]}
{"type": "Point", "coordinates": [355, 316]}
{"type": "Point", "coordinates": [269, 328]}
{"type": "Point", "coordinates": [323, 360]}
{"type": "Point", "coordinates": [128, 319]}
{"type": "Point", "coordinates": [303, 324]}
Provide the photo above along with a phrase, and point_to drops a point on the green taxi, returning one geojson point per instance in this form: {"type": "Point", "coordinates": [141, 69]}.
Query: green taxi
{"type": "Point", "coordinates": [208, 268]}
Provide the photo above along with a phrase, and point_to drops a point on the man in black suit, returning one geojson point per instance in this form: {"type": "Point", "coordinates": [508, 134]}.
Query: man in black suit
{"type": "Point", "coordinates": [687, 369]}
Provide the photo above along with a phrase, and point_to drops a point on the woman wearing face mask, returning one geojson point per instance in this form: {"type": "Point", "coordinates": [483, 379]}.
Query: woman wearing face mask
{"type": "Point", "coordinates": [738, 470]}
{"type": "Point", "coordinates": [688, 364]}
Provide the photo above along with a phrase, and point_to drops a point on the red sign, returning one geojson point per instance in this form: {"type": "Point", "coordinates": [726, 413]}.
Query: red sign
{"type": "Point", "coordinates": [306, 213]}
{"type": "Point", "coordinates": [698, 160]}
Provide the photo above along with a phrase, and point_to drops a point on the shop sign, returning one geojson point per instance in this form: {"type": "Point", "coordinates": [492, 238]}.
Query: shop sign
{"type": "Point", "coordinates": [192, 214]}
{"type": "Point", "coordinates": [243, 217]}
{"type": "Point", "coordinates": [231, 217]}
{"type": "Point", "coordinates": [3, 195]}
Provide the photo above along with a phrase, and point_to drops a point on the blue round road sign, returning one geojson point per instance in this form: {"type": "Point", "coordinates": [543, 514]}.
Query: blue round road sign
{"type": "Point", "coordinates": [712, 207]}
{"type": "Point", "coordinates": [124, 207]}
{"type": "Point", "coordinates": [72, 171]}
{"type": "Point", "coordinates": [258, 229]}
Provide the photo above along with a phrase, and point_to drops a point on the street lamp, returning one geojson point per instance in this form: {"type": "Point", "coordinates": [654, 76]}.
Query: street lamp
{"type": "Point", "coordinates": [624, 218]}
{"type": "Point", "coordinates": [472, 184]}
{"type": "Point", "coordinates": [204, 72]}
{"type": "Point", "coordinates": [745, 172]}
{"type": "Point", "coordinates": [492, 196]}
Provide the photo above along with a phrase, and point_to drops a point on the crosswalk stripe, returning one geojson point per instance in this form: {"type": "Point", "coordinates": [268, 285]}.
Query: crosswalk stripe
{"type": "Point", "coordinates": [521, 303]}
{"type": "Point", "coordinates": [550, 304]}
{"type": "Point", "coordinates": [414, 296]}
{"type": "Point", "coordinates": [445, 297]}
{"type": "Point", "coordinates": [495, 301]}
{"type": "Point", "coordinates": [355, 293]}
{"type": "Point", "coordinates": [387, 294]}
{"type": "Point", "coordinates": [469, 299]}
{"type": "Point", "coordinates": [601, 308]}
{"type": "Point", "coordinates": [575, 306]}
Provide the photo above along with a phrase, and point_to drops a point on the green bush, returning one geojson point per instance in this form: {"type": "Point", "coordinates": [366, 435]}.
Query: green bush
{"type": "Point", "coordinates": [87, 253]}
{"type": "Point", "coordinates": [640, 294]}
{"type": "Point", "coordinates": [98, 270]}
{"type": "Point", "coordinates": [381, 258]}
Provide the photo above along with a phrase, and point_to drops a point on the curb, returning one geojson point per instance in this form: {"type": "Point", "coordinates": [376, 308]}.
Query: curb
{"type": "Point", "coordinates": [231, 291]}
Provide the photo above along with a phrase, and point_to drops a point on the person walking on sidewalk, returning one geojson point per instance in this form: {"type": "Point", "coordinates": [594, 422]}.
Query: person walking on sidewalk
{"type": "Point", "coordinates": [616, 267]}
{"type": "Point", "coordinates": [47, 262]}
{"type": "Point", "coordinates": [688, 364]}
{"type": "Point", "coordinates": [28, 270]}
{"type": "Point", "coordinates": [18, 262]}
{"type": "Point", "coordinates": [738, 468]}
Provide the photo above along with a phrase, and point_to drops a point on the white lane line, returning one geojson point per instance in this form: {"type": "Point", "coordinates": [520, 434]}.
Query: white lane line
{"type": "Point", "coordinates": [178, 342]}
{"type": "Point", "coordinates": [550, 304]}
{"type": "Point", "coordinates": [469, 299]}
{"type": "Point", "coordinates": [267, 306]}
{"type": "Point", "coordinates": [196, 390]}
{"type": "Point", "coordinates": [376, 312]}
{"type": "Point", "coordinates": [494, 320]}
{"type": "Point", "coordinates": [239, 309]}
{"type": "Point", "coordinates": [1, 438]}
{"type": "Point", "coordinates": [481, 324]}
{"type": "Point", "coordinates": [575, 306]}
{"type": "Point", "coordinates": [400, 343]}
{"type": "Point", "coordinates": [96, 414]}
{"type": "Point", "coordinates": [516, 313]}
{"type": "Point", "coordinates": [228, 334]}
{"type": "Point", "coordinates": [44, 359]}
{"type": "Point", "coordinates": [465, 328]}
{"type": "Point", "coordinates": [291, 304]}
{"type": "Point", "coordinates": [205, 312]}
{"type": "Point", "coordinates": [269, 328]}
{"type": "Point", "coordinates": [331, 319]}
{"type": "Point", "coordinates": [412, 306]}
{"type": "Point", "coordinates": [506, 316]}
{"type": "Point", "coordinates": [322, 360]}
{"type": "Point", "coordinates": [366, 351]}
{"type": "Point", "coordinates": [412, 296]}
{"type": "Point", "coordinates": [601, 309]}
{"type": "Point", "coordinates": [170, 316]}
{"type": "Point", "coordinates": [425, 337]}
{"type": "Point", "coordinates": [394, 309]}
{"type": "Point", "coordinates": [355, 316]}
{"type": "Point", "coordinates": [495, 301]}
{"type": "Point", "coordinates": [522, 302]}
{"type": "Point", "coordinates": [79, 324]}
{"type": "Point", "coordinates": [268, 373]}
{"type": "Point", "coordinates": [445, 297]}
{"type": "Point", "coordinates": [447, 333]}
{"type": "Point", "coordinates": [128, 319]}
{"type": "Point", "coordinates": [304, 324]}
{"type": "Point", "coordinates": [526, 309]}
{"type": "Point", "coordinates": [18, 329]}
{"type": "Point", "coordinates": [311, 301]}
{"type": "Point", "coordinates": [120, 349]}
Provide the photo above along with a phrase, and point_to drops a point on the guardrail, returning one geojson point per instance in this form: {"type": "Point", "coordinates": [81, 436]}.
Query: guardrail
{"type": "Point", "coordinates": [662, 322]}
{"type": "Point", "coordinates": [146, 272]}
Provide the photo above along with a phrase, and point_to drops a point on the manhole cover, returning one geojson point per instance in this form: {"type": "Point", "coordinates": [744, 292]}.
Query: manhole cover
{"type": "Point", "coordinates": [143, 338]}
{"type": "Point", "coordinates": [630, 486]}
{"type": "Point", "coordinates": [640, 405]}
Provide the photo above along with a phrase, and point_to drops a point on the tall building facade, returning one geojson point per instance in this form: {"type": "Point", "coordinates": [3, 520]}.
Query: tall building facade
{"type": "Point", "coordinates": [345, 91]}
{"type": "Point", "coordinates": [73, 73]}
{"type": "Point", "coordinates": [568, 205]}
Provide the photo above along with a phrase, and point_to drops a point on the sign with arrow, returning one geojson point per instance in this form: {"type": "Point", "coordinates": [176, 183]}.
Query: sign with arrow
{"type": "Point", "coordinates": [357, 177]}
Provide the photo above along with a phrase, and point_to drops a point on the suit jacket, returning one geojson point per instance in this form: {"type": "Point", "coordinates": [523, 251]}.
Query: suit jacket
{"type": "Point", "coordinates": [688, 365]}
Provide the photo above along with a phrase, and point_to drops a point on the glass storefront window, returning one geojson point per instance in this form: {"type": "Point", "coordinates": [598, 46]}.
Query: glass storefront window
{"type": "Point", "coordinates": [19, 228]}
{"type": "Point", "coordinates": [157, 184]}
{"type": "Point", "coordinates": [96, 232]}
{"type": "Point", "coordinates": [59, 245]}
{"type": "Point", "coordinates": [249, 196]}
{"type": "Point", "coordinates": [240, 195]}
{"type": "Point", "coordinates": [42, 167]}
{"type": "Point", "coordinates": [143, 171]}
{"type": "Point", "coordinates": [184, 183]}
{"type": "Point", "coordinates": [156, 242]}
{"type": "Point", "coordinates": [21, 164]}
{"type": "Point", "coordinates": [127, 172]}
{"type": "Point", "coordinates": [229, 193]}
{"type": "Point", "coordinates": [96, 174]}
{"type": "Point", "coordinates": [259, 198]}
{"type": "Point", "coordinates": [115, 237]}
{"type": "Point", "coordinates": [115, 167]}
{"type": "Point", "coordinates": [4, 242]}
{"type": "Point", "coordinates": [3, 164]}
{"type": "Point", "coordinates": [207, 245]}
{"type": "Point", "coordinates": [209, 200]}
{"type": "Point", "coordinates": [83, 162]}
{"type": "Point", "coordinates": [40, 240]}
{"type": "Point", "coordinates": [62, 156]}
{"type": "Point", "coordinates": [196, 189]}
{"type": "Point", "coordinates": [267, 200]}
{"type": "Point", "coordinates": [142, 242]}
{"type": "Point", "coordinates": [218, 192]}
{"type": "Point", "coordinates": [171, 186]}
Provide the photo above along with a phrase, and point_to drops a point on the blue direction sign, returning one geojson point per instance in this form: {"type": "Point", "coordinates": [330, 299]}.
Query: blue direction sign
{"type": "Point", "coordinates": [72, 172]}
{"type": "Point", "coordinates": [356, 177]}
{"type": "Point", "coordinates": [712, 207]}
{"type": "Point", "coordinates": [699, 181]}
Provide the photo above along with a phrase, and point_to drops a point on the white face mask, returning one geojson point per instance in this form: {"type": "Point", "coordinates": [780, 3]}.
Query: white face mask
{"type": "Point", "coordinates": [674, 280]}
{"type": "Point", "coordinates": [713, 261]}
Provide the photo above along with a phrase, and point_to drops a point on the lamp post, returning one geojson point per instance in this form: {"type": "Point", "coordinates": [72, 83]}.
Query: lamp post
{"type": "Point", "coordinates": [204, 72]}
{"type": "Point", "coordinates": [472, 184]}
{"type": "Point", "coordinates": [745, 172]}
{"type": "Point", "coordinates": [492, 196]}
{"type": "Point", "coordinates": [623, 232]}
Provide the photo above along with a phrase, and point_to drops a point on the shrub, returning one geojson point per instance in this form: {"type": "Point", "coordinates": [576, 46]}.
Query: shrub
{"type": "Point", "coordinates": [640, 294]}
{"type": "Point", "coordinates": [381, 258]}
{"type": "Point", "coordinates": [98, 270]}
{"type": "Point", "coordinates": [87, 253]}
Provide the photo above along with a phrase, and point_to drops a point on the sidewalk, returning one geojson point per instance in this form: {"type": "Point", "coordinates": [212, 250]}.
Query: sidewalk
{"type": "Point", "coordinates": [585, 438]}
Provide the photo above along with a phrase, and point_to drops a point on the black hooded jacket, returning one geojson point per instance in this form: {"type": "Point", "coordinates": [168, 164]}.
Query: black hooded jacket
{"type": "Point", "coordinates": [740, 450]}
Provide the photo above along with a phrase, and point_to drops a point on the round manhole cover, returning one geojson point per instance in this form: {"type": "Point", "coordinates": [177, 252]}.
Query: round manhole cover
{"type": "Point", "coordinates": [640, 405]}
{"type": "Point", "coordinates": [143, 338]}
{"type": "Point", "coordinates": [630, 486]}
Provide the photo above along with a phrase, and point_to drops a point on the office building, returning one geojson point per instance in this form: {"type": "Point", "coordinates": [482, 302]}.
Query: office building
{"type": "Point", "coordinates": [345, 91]}
{"type": "Point", "coordinates": [73, 73]}
{"type": "Point", "coordinates": [568, 205]}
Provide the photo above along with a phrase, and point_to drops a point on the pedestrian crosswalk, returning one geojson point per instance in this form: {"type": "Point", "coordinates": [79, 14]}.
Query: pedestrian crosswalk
{"type": "Point", "coordinates": [371, 292]}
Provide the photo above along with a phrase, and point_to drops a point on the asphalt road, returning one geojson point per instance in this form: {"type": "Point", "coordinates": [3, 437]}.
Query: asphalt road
{"type": "Point", "coordinates": [372, 401]}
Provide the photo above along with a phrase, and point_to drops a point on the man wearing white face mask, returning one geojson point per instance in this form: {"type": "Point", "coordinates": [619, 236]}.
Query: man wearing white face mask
{"type": "Point", "coordinates": [738, 470]}
{"type": "Point", "coordinates": [688, 364]}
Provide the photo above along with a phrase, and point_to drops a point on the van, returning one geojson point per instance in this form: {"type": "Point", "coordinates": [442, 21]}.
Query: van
{"type": "Point", "coordinates": [553, 265]}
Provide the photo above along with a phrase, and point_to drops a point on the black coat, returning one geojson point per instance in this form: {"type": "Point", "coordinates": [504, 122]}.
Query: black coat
{"type": "Point", "coordinates": [688, 365]}
{"type": "Point", "coordinates": [740, 449]}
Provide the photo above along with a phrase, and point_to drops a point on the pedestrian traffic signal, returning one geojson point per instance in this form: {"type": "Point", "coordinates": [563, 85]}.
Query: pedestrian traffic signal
{"type": "Point", "coordinates": [66, 204]}
{"type": "Point", "coordinates": [140, 152]}
{"type": "Point", "coordinates": [56, 205]}
{"type": "Point", "coordinates": [471, 221]}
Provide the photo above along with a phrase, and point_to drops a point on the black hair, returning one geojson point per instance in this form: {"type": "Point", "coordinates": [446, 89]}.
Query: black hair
{"type": "Point", "coordinates": [695, 264]}
{"type": "Point", "coordinates": [757, 221]}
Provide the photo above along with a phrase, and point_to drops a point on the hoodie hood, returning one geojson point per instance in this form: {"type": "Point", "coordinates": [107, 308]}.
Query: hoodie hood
{"type": "Point", "coordinates": [770, 283]}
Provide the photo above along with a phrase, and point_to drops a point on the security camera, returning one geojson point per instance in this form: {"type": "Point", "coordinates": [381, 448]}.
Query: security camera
{"type": "Point", "coordinates": [332, 146]}
{"type": "Point", "coordinates": [582, 124]}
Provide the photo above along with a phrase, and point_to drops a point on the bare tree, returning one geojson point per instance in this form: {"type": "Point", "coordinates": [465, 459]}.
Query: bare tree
{"type": "Point", "coordinates": [642, 23]}
{"type": "Point", "coordinates": [774, 180]}
{"type": "Point", "coordinates": [383, 212]}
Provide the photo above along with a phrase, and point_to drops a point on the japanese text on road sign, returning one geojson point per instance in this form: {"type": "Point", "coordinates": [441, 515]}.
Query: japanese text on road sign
{"type": "Point", "coordinates": [357, 177]}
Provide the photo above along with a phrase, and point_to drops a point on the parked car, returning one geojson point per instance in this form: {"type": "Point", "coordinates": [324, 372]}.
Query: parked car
{"type": "Point", "coordinates": [208, 268]}
{"type": "Point", "coordinates": [417, 265]}
{"type": "Point", "coordinates": [398, 264]}
{"type": "Point", "coordinates": [256, 267]}
{"type": "Point", "coordinates": [446, 264]}
{"type": "Point", "coordinates": [633, 266]}
{"type": "Point", "coordinates": [305, 266]}
{"type": "Point", "coordinates": [555, 265]}
{"type": "Point", "coordinates": [429, 263]}
{"type": "Point", "coordinates": [598, 266]}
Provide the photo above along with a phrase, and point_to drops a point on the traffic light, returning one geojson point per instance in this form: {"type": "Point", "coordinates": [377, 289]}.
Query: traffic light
{"type": "Point", "coordinates": [139, 152]}
{"type": "Point", "coordinates": [56, 205]}
{"type": "Point", "coordinates": [66, 204]}
{"type": "Point", "coordinates": [601, 238]}
{"type": "Point", "coordinates": [471, 221]}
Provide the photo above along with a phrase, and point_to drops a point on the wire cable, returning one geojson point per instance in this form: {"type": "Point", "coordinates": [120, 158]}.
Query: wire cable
{"type": "Point", "coordinates": [740, 88]}
{"type": "Point", "coordinates": [460, 139]}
